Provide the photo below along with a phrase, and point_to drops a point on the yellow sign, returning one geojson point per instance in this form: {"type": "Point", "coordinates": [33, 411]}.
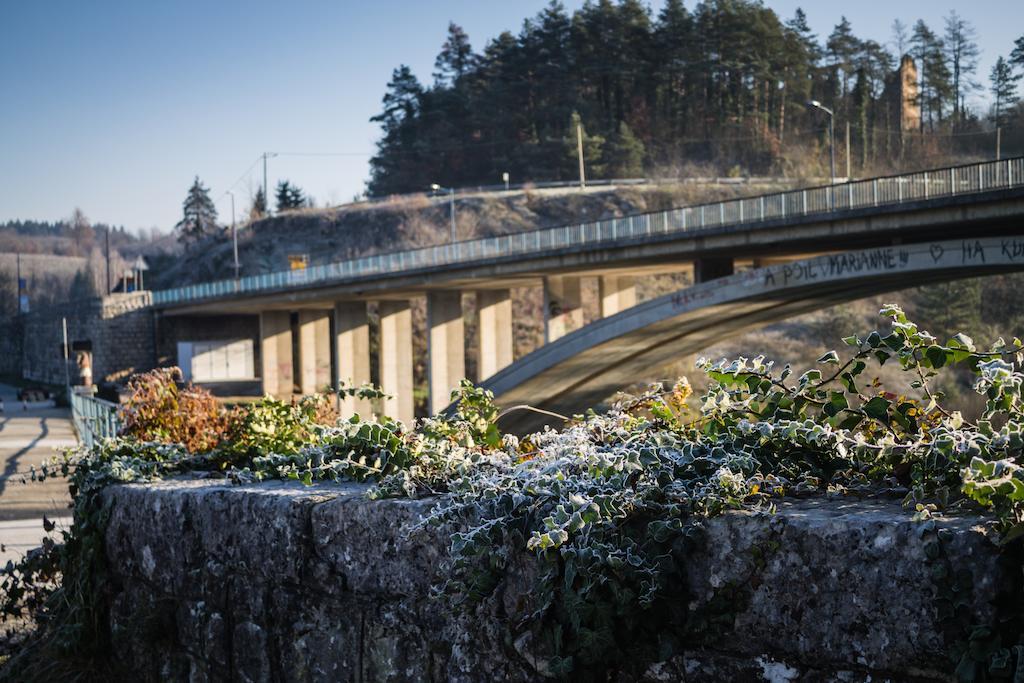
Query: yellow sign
{"type": "Point", "coordinates": [298, 261]}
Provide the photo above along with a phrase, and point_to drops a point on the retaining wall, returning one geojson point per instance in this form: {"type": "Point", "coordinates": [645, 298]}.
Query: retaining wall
{"type": "Point", "coordinates": [119, 328]}
{"type": "Point", "coordinates": [279, 582]}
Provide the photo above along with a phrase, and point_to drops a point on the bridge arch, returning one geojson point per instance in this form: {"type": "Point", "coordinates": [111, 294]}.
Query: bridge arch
{"type": "Point", "coordinates": [592, 363]}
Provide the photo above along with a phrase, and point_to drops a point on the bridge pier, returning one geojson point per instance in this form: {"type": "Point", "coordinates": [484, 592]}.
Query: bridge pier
{"type": "Point", "coordinates": [314, 350]}
{"type": "Point", "coordinates": [352, 353]}
{"type": "Point", "coordinates": [446, 350]}
{"type": "Point", "coordinates": [712, 268]}
{"type": "Point", "coordinates": [563, 306]}
{"type": "Point", "coordinates": [396, 359]}
{"type": "Point", "coordinates": [494, 331]}
{"type": "Point", "coordinates": [276, 353]}
{"type": "Point", "coordinates": [617, 293]}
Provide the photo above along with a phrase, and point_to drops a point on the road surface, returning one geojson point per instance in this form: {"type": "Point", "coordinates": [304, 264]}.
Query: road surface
{"type": "Point", "coordinates": [28, 436]}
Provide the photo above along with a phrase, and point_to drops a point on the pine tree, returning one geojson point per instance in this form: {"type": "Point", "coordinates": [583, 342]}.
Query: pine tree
{"type": "Point", "coordinates": [673, 46]}
{"type": "Point", "coordinates": [843, 47]}
{"type": "Point", "coordinates": [289, 196]}
{"type": "Point", "coordinates": [1017, 55]}
{"type": "Point", "coordinates": [456, 57]}
{"type": "Point", "coordinates": [624, 154]}
{"type": "Point", "coordinates": [1004, 90]}
{"type": "Point", "coordinates": [962, 59]}
{"type": "Point", "coordinates": [935, 90]}
{"type": "Point", "coordinates": [199, 217]}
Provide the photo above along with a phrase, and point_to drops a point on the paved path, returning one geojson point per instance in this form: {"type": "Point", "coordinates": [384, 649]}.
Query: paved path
{"type": "Point", "coordinates": [27, 438]}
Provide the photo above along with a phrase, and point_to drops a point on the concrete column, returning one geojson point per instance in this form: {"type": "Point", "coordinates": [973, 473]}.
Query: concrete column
{"type": "Point", "coordinates": [352, 344]}
{"type": "Point", "coordinates": [276, 353]}
{"type": "Point", "coordinates": [563, 306]}
{"type": "Point", "coordinates": [617, 292]}
{"type": "Point", "coordinates": [446, 347]}
{"type": "Point", "coordinates": [314, 350]}
{"type": "Point", "coordinates": [705, 269]}
{"type": "Point", "coordinates": [396, 359]}
{"type": "Point", "coordinates": [494, 331]}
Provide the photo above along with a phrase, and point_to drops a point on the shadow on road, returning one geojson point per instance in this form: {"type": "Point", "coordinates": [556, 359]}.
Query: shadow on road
{"type": "Point", "coordinates": [11, 468]}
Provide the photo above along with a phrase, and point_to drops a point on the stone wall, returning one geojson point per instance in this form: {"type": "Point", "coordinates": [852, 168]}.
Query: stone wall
{"type": "Point", "coordinates": [119, 328]}
{"type": "Point", "coordinates": [276, 582]}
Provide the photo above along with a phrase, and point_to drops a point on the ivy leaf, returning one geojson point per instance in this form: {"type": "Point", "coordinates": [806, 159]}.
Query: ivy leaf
{"type": "Point", "coordinates": [936, 356]}
{"type": "Point", "coordinates": [830, 357]}
{"type": "Point", "coordinates": [877, 408]}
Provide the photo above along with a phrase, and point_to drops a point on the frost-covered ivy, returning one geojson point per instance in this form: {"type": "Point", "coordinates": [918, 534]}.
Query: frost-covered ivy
{"type": "Point", "coordinates": [609, 504]}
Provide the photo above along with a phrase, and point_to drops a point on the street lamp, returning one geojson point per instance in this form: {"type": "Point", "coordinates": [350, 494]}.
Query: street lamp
{"type": "Point", "coordinates": [234, 232]}
{"type": "Point", "coordinates": [815, 104]}
{"type": "Point", "coordinates": [451, 198]}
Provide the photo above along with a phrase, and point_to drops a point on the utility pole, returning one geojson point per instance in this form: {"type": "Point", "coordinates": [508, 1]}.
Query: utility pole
{"type": "Point", "coordinates": [108, 258]}
{"type": "Point", "coordinates": [847, 151]}
{"type": "Point", "coordinates": [451, 208]}
{"type": "Point", "coordinates": [17, 288]}
{"type": "Point", "coordinates": [579, 153]}
{"type": "Point", "coordinates": [999, 141]}
{"type": "Point", "coordinates": [815, 104]}
{"type": "Point", "coordinates": [234, 233]}
{"type": "Point", "coordinates": [67, 373]}
{"type": "Point", "coordinates": [266, 197]}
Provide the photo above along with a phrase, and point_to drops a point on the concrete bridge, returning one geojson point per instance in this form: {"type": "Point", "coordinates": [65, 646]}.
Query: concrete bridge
{"type": "Point", "coordinates": [753, 261]}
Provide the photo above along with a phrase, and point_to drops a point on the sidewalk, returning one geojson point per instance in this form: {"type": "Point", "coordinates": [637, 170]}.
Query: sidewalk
{"type": "Point", "coordinates": [28, 437]}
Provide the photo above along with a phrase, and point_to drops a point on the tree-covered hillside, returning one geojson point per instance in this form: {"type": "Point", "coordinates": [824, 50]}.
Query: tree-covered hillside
{"type": "Point", "coordinates": [725, 82]}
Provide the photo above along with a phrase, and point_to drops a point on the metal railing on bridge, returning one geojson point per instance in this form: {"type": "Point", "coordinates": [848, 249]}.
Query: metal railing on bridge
{"type": "Point", "coordinates": [860, 194]}
{"type": "Point", "coordinates": [94, 418]}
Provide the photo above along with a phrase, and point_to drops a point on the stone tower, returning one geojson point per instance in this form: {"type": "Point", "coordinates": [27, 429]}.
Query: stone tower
{"type": "Point", "coordinates": [901, 98]}
{"type": "Point", "coordinates": [901, 108]}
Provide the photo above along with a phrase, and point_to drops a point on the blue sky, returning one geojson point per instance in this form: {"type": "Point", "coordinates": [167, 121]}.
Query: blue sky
{"type": "Point", "coordinates": [115, 106]}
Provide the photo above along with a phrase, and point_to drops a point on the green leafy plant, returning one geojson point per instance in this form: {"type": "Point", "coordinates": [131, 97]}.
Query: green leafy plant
{"type": "Point", "coordinates": [609, 506]}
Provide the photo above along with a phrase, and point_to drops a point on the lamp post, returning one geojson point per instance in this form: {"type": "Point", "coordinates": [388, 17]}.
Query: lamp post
{"type": "Point", "coordinates": [815, 104]}
{"type": "Point", "coordinates": [451, 199]}
{"type": "Point", "coordinates": [234, 232]}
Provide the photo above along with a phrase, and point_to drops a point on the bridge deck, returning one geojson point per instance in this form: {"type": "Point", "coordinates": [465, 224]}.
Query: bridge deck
{"type": "Point", "coordinates": [910, 206]}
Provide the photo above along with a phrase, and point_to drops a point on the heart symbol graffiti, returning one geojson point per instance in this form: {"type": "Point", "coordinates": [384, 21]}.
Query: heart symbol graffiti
{"type": "Point", "coordinates": [937, 252]}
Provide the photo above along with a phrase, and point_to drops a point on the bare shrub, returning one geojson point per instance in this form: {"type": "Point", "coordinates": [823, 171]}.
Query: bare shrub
{"type": "Point", "coordinates": [158, 408]}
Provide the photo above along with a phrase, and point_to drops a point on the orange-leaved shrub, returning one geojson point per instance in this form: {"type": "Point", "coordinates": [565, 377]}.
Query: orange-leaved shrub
{"type": "Point", "coordinates": [159, 408]}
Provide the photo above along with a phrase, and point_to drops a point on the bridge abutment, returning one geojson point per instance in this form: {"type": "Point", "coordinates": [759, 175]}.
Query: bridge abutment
{"type": "Point", "coordinates": [396, 378]}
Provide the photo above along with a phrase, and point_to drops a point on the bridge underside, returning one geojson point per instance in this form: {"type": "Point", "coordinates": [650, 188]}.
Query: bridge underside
{"type": "Point", "coordinates": [588, 366]}
{"type": "Point", "coordinates": [306, 335]}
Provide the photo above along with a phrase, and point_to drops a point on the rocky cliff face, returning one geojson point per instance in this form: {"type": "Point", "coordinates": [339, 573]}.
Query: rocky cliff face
{"type": "Point", "coordinates": [279, 582]}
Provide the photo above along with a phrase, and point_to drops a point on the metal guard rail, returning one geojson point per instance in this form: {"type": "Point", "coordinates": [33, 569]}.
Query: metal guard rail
{"type": "Point", "coordinates": [875, 192]}
{"type": "Point", "coordinates": [94, 419]}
